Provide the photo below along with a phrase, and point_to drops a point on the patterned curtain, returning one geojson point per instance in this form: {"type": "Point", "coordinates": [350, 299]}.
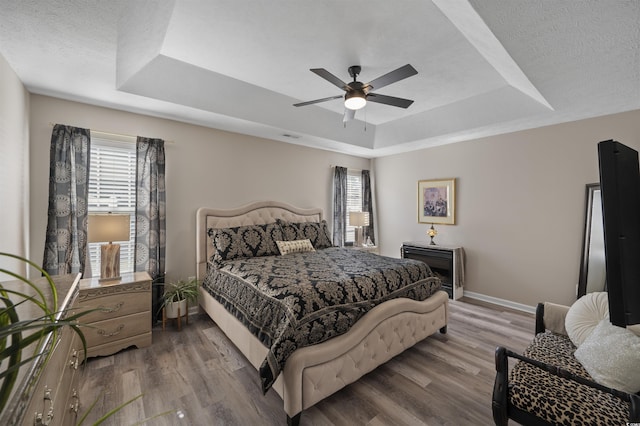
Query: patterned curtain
{"type": "Point", "coordinates": [339, 205]}
{"type": "Point", "coordinates": [367, 206]}
{"type": "Point", "coordinates": [150, 207]}
{"type": "Point", "coordinates": [65, 247]}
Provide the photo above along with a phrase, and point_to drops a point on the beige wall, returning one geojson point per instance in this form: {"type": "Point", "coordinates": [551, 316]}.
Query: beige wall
{"type": "Point", "coordinates": [14, 167]}
{"type": "Point", "coordinates": [520, 196]}
{"type": "Point", "coordinates": [205, 167]}
{"type": "Point", "coordinates": [520, 204]}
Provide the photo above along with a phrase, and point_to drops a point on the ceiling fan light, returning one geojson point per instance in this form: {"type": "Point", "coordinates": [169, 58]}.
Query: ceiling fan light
{"type": "Point", "coordinates": [355, 100]}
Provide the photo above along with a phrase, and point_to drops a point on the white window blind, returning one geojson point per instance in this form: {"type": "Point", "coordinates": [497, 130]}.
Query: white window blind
{"type": "Point", "coordinates": [354, 200]}
{"type": "Point", "coordinates": [112, 188]}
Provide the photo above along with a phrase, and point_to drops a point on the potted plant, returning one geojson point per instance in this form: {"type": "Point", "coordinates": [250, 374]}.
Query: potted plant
{"type": "Point", "coordinates": [177, 296]}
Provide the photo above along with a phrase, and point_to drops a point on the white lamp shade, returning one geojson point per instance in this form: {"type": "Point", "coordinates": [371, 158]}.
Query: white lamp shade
{"type": "Point", "coordinates": [108, 227]}
{"type": "Point", "coordinates": [355, 100]}
{"type": "Point", "coordinates": [359, 218]}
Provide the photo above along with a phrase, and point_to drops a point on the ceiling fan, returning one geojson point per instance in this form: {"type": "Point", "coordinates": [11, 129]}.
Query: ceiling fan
{"type": "Point", "coordinates": [357, 94]}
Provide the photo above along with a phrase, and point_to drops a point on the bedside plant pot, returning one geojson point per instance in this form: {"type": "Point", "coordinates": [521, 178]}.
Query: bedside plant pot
{"type": "Point", "coordinates": [171, 309]}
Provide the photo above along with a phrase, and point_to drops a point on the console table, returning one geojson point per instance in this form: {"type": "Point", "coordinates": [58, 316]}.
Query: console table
{"type": "Point", "coordinates": [447, 262]}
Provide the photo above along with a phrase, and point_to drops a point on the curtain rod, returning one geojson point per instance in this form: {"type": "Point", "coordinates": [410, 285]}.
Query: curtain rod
{"type": "Point", "coordinates": [122, 135]}
{"type": "Point", "coordinates": [331, 166]}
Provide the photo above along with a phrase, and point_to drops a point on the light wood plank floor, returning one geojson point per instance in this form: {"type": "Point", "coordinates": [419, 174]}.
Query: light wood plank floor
{"type": "Point", "coordinates": [443, 380]}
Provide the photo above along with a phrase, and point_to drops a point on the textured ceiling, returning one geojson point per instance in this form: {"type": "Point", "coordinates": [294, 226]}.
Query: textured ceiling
{"type": "Point", "coordinates": [484, 66]}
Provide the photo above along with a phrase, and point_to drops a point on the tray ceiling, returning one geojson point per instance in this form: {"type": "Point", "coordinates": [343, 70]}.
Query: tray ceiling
{"type": "Point", "coordinates": [484, 66]}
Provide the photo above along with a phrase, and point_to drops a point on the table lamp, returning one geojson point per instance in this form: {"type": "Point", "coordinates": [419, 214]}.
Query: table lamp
{"type": "Point", "coordinates": [358, 220]}
{"type": "Point", "coordinates": [431, 232]}
{"type": "Point", "coordinates": [109, 228]}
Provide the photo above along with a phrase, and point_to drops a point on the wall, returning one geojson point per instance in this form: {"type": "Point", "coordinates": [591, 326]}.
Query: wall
{"type": "Point", "coordinates": [205, 167]}
{"type": "Point", "coordinates": [520, 204]}
{"type": "Point", "coordinates": [14, 167]}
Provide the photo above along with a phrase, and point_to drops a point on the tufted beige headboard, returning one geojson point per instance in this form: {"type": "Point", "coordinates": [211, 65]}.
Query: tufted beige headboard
{"type": "Point", "coordinates": [258, 213]}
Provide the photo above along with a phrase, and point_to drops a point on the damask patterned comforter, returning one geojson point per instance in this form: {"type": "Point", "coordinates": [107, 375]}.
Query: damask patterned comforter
{"type": "Point", "coordinates": [301, 299]}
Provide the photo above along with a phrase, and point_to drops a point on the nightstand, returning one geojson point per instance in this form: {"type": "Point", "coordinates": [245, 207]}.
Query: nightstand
{"type": "Point", "coordinates": [123, 315]}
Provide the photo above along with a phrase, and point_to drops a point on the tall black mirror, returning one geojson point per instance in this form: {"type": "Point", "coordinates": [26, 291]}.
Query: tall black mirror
{"type": "Point", "coordinates": [592, 267]}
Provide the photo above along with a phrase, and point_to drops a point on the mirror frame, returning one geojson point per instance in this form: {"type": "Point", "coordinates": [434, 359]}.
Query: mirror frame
{"type": "Point", "coordinates": [586, 241]}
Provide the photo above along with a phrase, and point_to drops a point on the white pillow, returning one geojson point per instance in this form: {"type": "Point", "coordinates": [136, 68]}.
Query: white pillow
{"type": "Point", "coordinates": [295, 246]}
{"type": "Point", "coordinates": [611, 355]}
{"type": "Point", "coordinates": [585, 314]}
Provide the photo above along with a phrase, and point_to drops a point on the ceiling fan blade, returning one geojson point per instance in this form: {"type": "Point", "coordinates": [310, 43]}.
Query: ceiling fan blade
{"type": "Point", "coordinates": [391, 77]}
{"type": "Point", "coordinates": [316, 101]}
{"type": "Point", "coordinates": [330, 77]}
{"type": "Point", "coordinates": [349, 114]}
{"type": "Point", "coordinates": [389, 100]}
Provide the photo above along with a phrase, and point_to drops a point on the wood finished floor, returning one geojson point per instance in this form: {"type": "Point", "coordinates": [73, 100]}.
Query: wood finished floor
{"type": "Point", "coordinates": [443, 380]}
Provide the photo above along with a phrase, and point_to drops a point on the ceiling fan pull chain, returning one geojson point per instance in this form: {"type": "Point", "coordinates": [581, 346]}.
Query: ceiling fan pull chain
{"type": "Point", "coordinates": [365, 119]}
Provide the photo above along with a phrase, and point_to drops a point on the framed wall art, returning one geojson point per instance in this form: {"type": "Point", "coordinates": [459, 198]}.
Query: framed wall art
{"type": "Point", "coordinates": [437, 201]}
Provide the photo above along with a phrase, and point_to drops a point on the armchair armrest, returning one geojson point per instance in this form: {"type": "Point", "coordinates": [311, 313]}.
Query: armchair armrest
{"type": "Point", "coordinates": [550, 316]}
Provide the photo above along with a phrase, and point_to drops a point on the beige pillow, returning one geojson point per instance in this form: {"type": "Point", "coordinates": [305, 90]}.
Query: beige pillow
{"type": "Point", "coordinates": [611, 355]}
{"type": "Point", "coordinates": [295, 246]}
{"type": "Point", "coordinates": [585, 314]}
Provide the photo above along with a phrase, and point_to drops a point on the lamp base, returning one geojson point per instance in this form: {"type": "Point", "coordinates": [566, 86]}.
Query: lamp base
{"type": "Point", "coordinates": [109, 262]}
{"type": "Point", "coordinates": [359, 237]}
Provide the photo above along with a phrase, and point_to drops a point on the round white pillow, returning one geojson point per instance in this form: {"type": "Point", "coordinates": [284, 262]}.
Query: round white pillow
{"type": "Point", "coordinates": [585, 314]}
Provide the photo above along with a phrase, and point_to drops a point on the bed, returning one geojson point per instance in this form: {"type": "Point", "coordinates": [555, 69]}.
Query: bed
{"type": "Point", "coordinates": [313, 372]}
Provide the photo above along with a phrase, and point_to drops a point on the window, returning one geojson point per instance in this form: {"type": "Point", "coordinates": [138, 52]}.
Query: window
{"type": "Point", "coordinates": [354, 201]}
{"type": "Point", "coordinates": [112, 188]}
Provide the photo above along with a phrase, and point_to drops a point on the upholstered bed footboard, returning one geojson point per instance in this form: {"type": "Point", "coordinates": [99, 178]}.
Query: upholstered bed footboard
{"type": "Point", "coordinates": [315, 372]}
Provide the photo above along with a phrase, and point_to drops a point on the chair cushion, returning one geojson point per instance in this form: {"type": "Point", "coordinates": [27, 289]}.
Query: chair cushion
{"type": "Point", "coordinates": [557, 400]}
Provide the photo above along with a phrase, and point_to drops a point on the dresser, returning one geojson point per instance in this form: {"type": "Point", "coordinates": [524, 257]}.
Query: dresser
{"type": "Point", "coordinates": [447, 262]}
{"type": "Point", "coordinates": [45, 392]}
{"type": "Point", "coordinates": [122, 313]}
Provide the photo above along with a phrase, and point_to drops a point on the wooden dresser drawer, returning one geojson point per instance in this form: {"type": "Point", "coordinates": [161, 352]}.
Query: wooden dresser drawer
{"type": "Point", "coordinates": [48, 404]}
{"type": "Point", "coordinates": [45, 380]}
{"type": "Point", "coordinates": [115, 305]}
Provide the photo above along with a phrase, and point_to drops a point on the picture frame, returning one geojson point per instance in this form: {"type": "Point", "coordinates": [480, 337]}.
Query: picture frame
{"type": "Point", "coordinates": [437, 201]}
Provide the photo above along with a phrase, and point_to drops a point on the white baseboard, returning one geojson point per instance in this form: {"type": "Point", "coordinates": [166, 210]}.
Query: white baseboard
{"type": "Point", "coordinates": [500, 302]}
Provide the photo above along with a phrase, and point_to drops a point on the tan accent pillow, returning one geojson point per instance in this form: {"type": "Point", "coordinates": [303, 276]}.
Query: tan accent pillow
{"type": "Point", "coordinates": [585, 314]}
{"type": "Point", "coordinates": [296, 246]}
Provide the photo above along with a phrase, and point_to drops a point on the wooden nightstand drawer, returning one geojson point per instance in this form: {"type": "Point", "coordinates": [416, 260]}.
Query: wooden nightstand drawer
{"type": "Point", "coordinates": [115, 305]}
{"type": "Point", "coordinates": [107, 331]}
{"type": "Point", "coordinates": [124, 315]}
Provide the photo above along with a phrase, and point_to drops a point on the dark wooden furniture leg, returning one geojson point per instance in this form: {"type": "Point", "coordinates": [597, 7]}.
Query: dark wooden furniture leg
{"type": "Point", "coordinates": [295, 420]}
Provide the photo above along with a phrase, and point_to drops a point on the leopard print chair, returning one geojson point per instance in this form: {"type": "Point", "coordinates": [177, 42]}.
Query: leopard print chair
{"type": "Point", "coordinates": [548, 386]}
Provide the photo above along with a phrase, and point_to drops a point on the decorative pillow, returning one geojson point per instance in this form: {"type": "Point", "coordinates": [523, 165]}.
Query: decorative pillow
{"type": "Point", "coordinates": [585, 314]}
{"type": "Point", "coordinates": [296, 246]}
{"type": "Point", "coordinates": [316, 232]}
{"type": "Point", "coordinates": [611, 355]}
{"type": "Point", "coordinates": [245, 241]}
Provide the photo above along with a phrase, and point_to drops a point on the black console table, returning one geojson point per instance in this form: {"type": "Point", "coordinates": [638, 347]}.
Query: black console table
{"type": "Point", "coordinates": [445, 261]}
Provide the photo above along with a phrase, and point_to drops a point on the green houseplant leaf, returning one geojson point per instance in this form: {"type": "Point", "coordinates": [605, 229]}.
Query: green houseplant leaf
{"type": "Point", "coordinates": [180, 290]}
